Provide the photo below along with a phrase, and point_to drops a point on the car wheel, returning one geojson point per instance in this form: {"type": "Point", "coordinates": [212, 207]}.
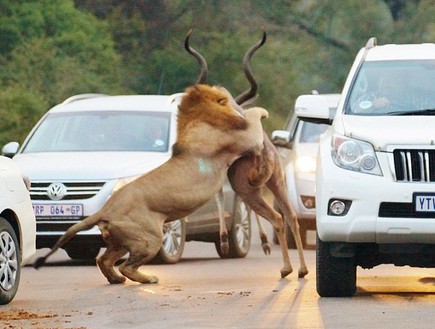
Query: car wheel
{"type": "Point", "coordinates": [174, 238]}
{"type": "Point", "coordinates": [336, 276]}
{"type": "Point", "coordinates": [239, 236]}
{"type": "Point", "coordinates": [82, 252]}
{"type": "Point", "coordinates": [10, 262]}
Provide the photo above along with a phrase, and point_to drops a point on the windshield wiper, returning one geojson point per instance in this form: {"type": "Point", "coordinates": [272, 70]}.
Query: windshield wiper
{"type": "Point", "coordinates": [414, 112]}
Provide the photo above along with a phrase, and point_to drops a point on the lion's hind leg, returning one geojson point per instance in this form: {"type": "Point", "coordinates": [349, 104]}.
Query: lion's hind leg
{"type": "Point", "coordinates": [142, 250]}
{"type": "Point", "coordinates": [130, 268]}
{"type": "Point", "coordinates": [114, 251]}
{"type": "Point", "coordinates": [107, 261]}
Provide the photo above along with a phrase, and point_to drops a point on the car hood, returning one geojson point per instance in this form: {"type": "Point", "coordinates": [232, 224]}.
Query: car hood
{"type": "Point", "coordinates": [88, 165]}
{"type": "Point", "coordinates": [385, 131]}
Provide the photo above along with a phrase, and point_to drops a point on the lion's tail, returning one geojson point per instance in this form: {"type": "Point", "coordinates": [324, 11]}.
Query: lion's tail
{"type": "Point", "coordinates": [85, 224]}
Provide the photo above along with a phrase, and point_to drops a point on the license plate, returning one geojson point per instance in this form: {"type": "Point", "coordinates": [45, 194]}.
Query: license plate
{"type": "Point", "coordinates": [58, 210]}
{"type": "Point", "coordinates": [424, 202]}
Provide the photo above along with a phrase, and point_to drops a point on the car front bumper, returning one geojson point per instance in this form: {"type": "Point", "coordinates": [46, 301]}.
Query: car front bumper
{"type": "Point", "coordinates": [376, 206]}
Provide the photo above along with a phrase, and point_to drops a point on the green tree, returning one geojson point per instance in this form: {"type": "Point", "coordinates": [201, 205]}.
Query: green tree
{"type": "Point", "coordinates": [311, 44]}
{"type": "Point", "coordinates": [18, 107]}
{"type": "Point", "coordinates": [52, 50]}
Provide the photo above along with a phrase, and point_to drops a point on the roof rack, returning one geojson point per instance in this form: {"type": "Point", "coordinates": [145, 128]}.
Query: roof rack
{"type": "Point", "coordinates": [372, 42]}
{"type": "Point", "coordinates": [80, 97]}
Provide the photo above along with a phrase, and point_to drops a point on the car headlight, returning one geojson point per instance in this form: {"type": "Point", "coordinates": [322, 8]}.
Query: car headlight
{"type": "Point", "coordinates": [306, 164]}
{"type": "Point", "coordinates": [26, 181]}
{"type": "Point", "coordinates": [354, 154]}
{"type": "Point", "coordinates": [122, 182]}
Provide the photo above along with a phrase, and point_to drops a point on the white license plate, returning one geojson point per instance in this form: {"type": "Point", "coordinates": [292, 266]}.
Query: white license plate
{"type": "Point", "coordinates": [58, 210]}
{"type": "Point", "coordinates": [424, 202]}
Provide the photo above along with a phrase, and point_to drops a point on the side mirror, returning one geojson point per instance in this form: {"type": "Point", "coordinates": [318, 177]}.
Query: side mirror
{"type": "Point", "coordinates": [10, 149]}
{"type": "Point", "coordinates": [313, 108]}
{"type": "Point", "coordinates": [281, 138]}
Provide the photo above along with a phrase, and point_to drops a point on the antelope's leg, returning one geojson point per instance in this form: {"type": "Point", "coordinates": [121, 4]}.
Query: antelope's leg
{"type": "Point", "coordinates": [223, 232]}
{"type": "Point", "coordinates": [262, 208]}
{"type": "Point", "coordinates": [278, 187]}
{"type": "Point", "coordinates": [263, 236]}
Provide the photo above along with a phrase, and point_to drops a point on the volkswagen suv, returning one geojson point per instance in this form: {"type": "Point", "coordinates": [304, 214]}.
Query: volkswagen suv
{"type": "Point", "coordinates": [85, 148]}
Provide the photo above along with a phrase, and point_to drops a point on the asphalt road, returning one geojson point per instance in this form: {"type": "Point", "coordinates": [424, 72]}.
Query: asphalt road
{"type": "Point", "coordinates": [203, 291]}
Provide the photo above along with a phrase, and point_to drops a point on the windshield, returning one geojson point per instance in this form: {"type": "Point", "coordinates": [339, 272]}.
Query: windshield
{"type": "Point", "coordinates": [393, 88]}
{"type": "Point", "coordinates": [311, 132]}
{"type": "Point", "coordinates": [101, 131]}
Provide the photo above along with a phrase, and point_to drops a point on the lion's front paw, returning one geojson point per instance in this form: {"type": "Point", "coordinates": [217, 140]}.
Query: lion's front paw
{"type": "Point", "coordinates": [264, 114]}
{"type": "Point", "coordinates": [260, 111]}
{"type": "Point", "coordinates": [255, 112]}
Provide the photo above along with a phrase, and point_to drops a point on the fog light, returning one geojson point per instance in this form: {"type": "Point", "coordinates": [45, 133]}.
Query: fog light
{"type": "Point", "coordinates": [309, 202]}
{"type": "Point", "coordinates": [337, 207]}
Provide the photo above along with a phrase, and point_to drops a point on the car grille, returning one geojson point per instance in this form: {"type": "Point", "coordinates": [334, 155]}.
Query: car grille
{"type": "Point", "coordinates": [401, 210]}
{"type": "Point", "coordinates": [414, 165]}
{"type": "Point", "coordinates": [74, 190]}
{"type": "Point", "coordinates": [54, 226]}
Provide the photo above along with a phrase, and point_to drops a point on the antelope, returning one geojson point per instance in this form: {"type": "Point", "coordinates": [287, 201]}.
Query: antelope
{"type": "Point", "coordinates": [249, 174]}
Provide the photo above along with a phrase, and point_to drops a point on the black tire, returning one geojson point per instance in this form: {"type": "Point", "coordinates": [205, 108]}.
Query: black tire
{"type": "Point", "coordinates": [82, 252]}
{"type": "Point", "coordinates": [10, 262]}
{"type": "Point", "coordinates": [239, 236]}
{"type": "Point", "coordinates": [336, 276]}
{"type": "Point", "coordinates": [174, 239]}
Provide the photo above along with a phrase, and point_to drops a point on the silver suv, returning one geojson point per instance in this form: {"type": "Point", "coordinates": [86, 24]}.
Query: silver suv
{"type": "Point", "coordinates": [298, 145]}
{"type": "Point", "coordinates": [85, 148]}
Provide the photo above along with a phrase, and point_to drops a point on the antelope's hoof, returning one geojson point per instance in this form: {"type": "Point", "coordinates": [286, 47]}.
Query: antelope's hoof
{"type": "Point", "coordinates": [302, 272]}
{"type": "Point", "coordinates": [266, 248]}
{"type": "Point", "coordinates": [285, 272]}
{"type": "Point", "coordinates": [225, 248]}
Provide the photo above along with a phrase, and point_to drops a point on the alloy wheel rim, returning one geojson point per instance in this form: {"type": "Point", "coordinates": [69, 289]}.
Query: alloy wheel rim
{"type": "Point", "coordinates": [172, 237]}
{"type": "Point", "coordinates": [8, 261]}
{"type": "Point", "coordinates": [242, 228]}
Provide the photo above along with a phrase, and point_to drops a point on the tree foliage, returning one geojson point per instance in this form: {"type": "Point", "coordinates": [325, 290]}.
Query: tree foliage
{"type": "Point", "coordinates": [50, 50]}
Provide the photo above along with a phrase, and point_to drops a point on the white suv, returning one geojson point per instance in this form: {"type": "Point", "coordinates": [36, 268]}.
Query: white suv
{"type": "Point", "coordinates": [375, 197]}
{"type": "Point", "coordinates": [17, 228]}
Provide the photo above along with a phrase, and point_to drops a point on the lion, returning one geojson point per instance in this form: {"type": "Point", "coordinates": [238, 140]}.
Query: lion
{"type": "Point", "coordinates": [211, 135]}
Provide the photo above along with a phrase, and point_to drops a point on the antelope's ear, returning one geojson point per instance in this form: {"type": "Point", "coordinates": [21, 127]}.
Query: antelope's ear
{"type": "Point", "coordinates": [223, 101]}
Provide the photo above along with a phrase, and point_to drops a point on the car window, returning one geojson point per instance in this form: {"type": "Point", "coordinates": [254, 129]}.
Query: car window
{"type": "Point", "coordinates": [393, 88]}
{"type": "Point", "coordinates": [292, 126]}
{"type": "Point", "coordinates": [101, 131]}
{"type": "Point", "coordinates": [311, 132]}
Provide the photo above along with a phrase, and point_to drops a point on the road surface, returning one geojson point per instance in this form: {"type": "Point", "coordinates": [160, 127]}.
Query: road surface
{"type": "Point", "coordinates": [203, 291]}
